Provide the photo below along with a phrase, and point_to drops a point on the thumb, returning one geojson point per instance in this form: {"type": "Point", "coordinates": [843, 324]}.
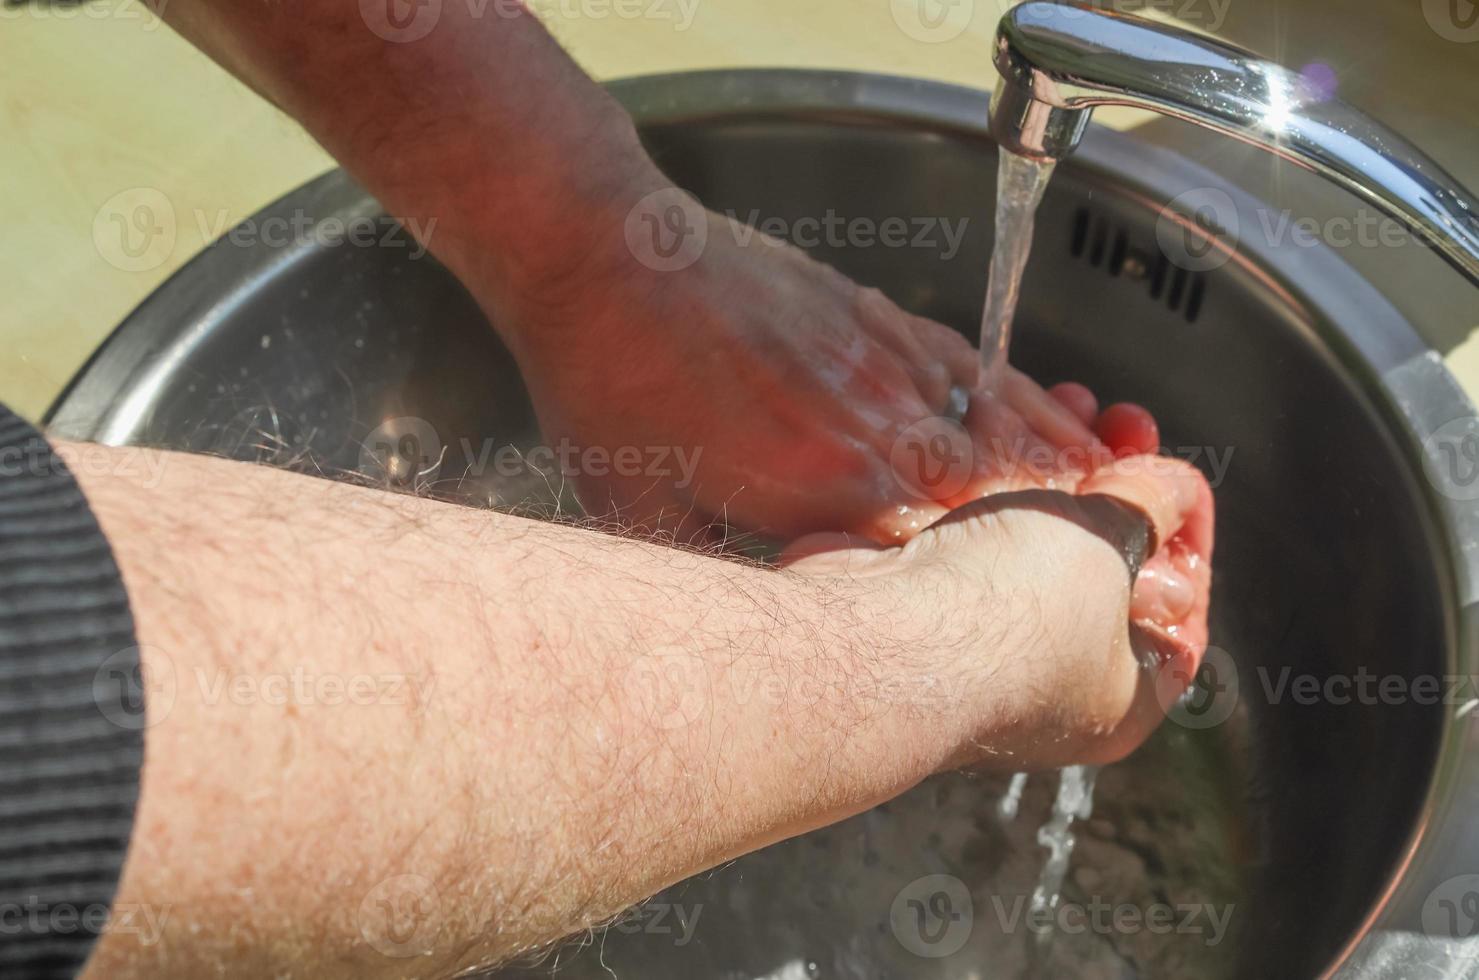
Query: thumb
{"type": "Point", "coordinates": [1166, 491]}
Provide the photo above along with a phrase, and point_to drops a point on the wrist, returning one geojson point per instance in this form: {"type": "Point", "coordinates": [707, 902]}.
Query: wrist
{"type": "Point", "coordinates": [483, 137]}
{"type": "Point", "coordinates": [992, 661]}
{"type": "Point", "coordinates": [520, 223]}
{"type": "Point", "coordinates": [518, 227]}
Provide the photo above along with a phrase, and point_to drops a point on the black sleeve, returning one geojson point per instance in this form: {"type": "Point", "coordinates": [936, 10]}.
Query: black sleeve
{"type": "Point", "coordinates": [71, 715]}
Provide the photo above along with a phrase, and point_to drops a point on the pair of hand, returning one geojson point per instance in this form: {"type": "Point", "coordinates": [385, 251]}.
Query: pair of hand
{"type": "Point", "coordinates": [813, 409]}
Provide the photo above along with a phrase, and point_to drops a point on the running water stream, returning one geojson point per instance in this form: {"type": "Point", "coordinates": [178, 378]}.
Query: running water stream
{"type": "Point", "coordinates": [1020, 182]}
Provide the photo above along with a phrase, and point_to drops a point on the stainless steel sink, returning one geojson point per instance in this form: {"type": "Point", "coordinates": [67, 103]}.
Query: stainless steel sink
{"type": "Point", "coordinates": [1326, 832]}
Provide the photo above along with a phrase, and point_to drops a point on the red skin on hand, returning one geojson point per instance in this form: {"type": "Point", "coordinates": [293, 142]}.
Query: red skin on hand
{"type": "Point", "coordinates": [1078, 399]}
{"type": "Point", "coordinates": [1128, 430]}
{"type": "Point", "coordinates": [1171, 596]}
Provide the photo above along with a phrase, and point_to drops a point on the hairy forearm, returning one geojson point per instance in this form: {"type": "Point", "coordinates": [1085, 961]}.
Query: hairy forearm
{"type": "Point", "coordinates": [471, 125]}
{"type": "Point", "coordinates": [395, 737]}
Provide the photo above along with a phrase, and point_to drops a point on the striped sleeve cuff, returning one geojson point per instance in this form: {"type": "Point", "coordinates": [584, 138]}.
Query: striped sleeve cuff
{"type": "Point", "coordinates": [71, 715]}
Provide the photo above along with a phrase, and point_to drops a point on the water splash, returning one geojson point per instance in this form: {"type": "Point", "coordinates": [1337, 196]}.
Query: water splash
{"type": "Point", "coordinates": [1020, 183]}
{"type": "Point", "coordinates": [1012, 801]}
{"type": "Point", "coordinates": [1075, 800]}
{"type": "Point", "coordinates": [795, 970]}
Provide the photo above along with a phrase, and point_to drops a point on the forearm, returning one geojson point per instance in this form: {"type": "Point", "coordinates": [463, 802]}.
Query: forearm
{"type": "Point", "coordinates": [505, 762]}
{"type": "Point", "coordinates": [480, 133]}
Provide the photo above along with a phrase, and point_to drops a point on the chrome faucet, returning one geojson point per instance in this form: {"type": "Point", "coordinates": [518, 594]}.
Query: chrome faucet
{"type": "Point", "coordinates": [1060, 60]}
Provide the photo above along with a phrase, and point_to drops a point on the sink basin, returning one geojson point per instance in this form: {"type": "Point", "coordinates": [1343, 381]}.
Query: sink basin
{"type": "Point", "coordinates": [1321, 834]}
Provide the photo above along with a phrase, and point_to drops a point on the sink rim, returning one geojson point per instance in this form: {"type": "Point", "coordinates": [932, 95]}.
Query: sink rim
{"type": "Point", "coordinates": [1401, 373]}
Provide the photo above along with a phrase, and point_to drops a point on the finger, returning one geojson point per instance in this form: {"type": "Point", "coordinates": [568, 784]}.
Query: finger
{"type": "Point", "coordinates": [933, 381]}
{"type": "Point", "coordinates": [1166, 491]}
{"type": "Point", "coordinates": [1172, 594]}
{"type": "Point", "coordinates": [1001, 446]}
{"type": "Point", "coordinates": [952, 350]}
{"type": "Point", "coordinates": [1077, 399]}
{"type": "Point", "coordinates": [884, 380]}
{"type": "Point", "coordinates": [1162, 594]}
{"type": "Point", "coordinates": [1044, 414]}
{"type": "Point", "coordinates": [899, 523]}
{"type": "Point", "coordinates": [891, 327]}
{"type": "Point", "coordinates": [931, 375]}
{"type": "Point", "coordinates": [1128, 430]}
{"type": "Point", "coordinates": [1199, 531]}
{"type": "Point", "coordinates": [1181, 642]}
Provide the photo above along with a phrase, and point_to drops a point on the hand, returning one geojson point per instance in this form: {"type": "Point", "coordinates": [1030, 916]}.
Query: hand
{"type": "Point", "coordinates": [802, 399]}
{"type": "Point", "coordinates": [1171, 593]}
{"type": "Point", "coordinates": [1082, 687]}
{"type": "Point", "coordinates": [804, 394]}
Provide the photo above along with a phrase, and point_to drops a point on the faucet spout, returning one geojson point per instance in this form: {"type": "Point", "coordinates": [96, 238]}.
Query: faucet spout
{"type": "Point", "coordinates": [1060, 60]}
